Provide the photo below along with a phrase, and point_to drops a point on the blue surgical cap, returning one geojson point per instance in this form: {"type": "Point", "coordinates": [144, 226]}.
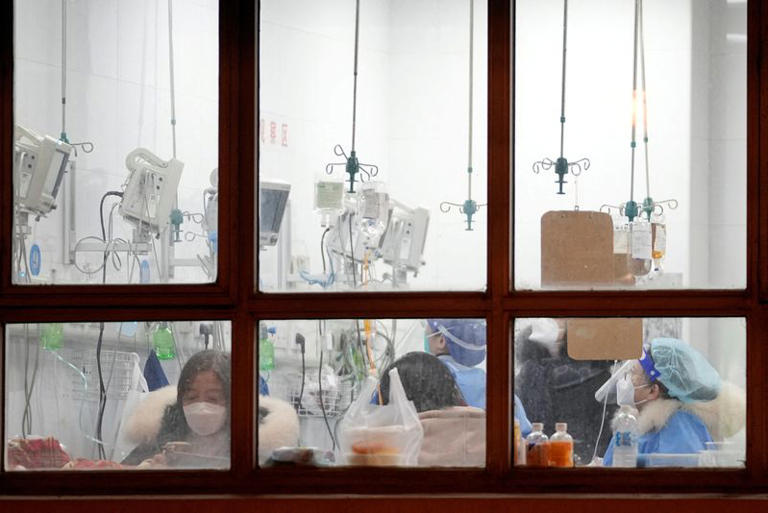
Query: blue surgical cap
{"type": "Point", "coordinates": [465, 338]}
{"type": "Point", "coordinates": [687, 375]}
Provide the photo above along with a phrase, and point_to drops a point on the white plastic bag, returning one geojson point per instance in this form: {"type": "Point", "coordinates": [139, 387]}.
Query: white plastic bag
{"type": "Point", "coordinates": [375, 435]}
{"type": "Point", "coordinates": [136, 394]}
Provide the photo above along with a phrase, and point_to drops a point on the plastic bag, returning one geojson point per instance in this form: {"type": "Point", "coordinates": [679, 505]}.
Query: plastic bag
{"type": "Point", "coordinates": [136, 394]}
{"type": "Point", "coordinates": [375, 435]}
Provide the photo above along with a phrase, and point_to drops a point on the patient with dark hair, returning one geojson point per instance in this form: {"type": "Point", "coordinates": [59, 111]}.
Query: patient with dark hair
{"type": "Point", "coordinates": [199, 416]}
{"type": "Point", "coordinates": [454, 433]}
{"type": "Point", "coordinates": [427, 382]}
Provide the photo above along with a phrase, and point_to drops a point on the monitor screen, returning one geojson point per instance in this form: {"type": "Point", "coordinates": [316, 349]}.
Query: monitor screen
{"type": "Point", "coordinates": [272, 202]}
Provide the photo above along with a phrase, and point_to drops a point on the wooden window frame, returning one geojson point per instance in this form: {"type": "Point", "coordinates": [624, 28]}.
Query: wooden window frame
{"type": "Point", "coordinates": [232, 297]}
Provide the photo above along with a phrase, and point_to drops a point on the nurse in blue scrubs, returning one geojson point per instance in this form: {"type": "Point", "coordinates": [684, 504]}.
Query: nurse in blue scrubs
{"type": "Point", "coordinates": [460, 344]}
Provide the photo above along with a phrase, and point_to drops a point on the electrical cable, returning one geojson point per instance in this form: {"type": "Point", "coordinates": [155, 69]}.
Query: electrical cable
{"type": "Point", "coordinates": [102, 389]}
{"type": "Point", "coordinates": [112, 370]}
{"type": "Point", "coordinates": [104, 232]}
{"type": "Point", "coordinates": [114, 357]}
{"type": "Point", "coordinates": [320, 388]}
{"type": "Point", "coordinates": [300, 340]}
{"type": "Point", "coordinates": [602, 424]}
{"type": "Point", "coordinates": [117, 262]}
{"type": "Point", "coordinates": [102, 394]}
{"type": "Point", "coordinates": [322, 247]}
{"type": "Point", "coordinates": [26, 382]}
{"type": "Point", "coordinates": [101, 211]}
{"type": "Point", "coordinates": [29, 388]}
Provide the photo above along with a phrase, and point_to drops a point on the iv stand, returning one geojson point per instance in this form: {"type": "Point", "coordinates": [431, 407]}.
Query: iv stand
{"type": "Point", "coordinates": [561, 165]}
{"type": "Point", "coordinates": [470, 206]}
{"type": "Point", "coordinates": [352, 165]}
{"type": "Point", "coordinates": [631, 209]}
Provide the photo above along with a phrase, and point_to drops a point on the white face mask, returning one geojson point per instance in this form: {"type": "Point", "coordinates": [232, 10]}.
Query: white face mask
{"type": "Point", "coordinates": [625, 392]}
{"type": "Point", "coordinates": [205, 418]}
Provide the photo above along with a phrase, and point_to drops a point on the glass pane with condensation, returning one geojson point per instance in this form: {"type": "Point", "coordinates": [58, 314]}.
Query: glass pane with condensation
{"type": "Point", "coordinates": [372, 392]}
{"type": "Point", "coordinates": [117, 395]}
{"type": "Point", "coordinates": [633, 392]}
{"type": "Point", "coordinates": [407, 132]}
{"type": "Point", "coordinates": [115, 151]}
{"type": "Point", "coordinates": [672, 107]}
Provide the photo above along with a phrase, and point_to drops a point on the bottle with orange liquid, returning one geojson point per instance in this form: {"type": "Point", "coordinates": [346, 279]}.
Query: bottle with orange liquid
{"type": "Point", "coordinates": [659, 244]}
{"type": "Point", "coordinates": [561, 447]}
{"type": "Point", "coordinates": [537, 447]}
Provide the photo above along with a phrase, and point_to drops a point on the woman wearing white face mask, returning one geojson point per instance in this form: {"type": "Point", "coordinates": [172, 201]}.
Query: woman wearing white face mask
{"type": "Point", "coordinates": [682, 402]}
{"type": "Point", "coordinates": [199, 417]}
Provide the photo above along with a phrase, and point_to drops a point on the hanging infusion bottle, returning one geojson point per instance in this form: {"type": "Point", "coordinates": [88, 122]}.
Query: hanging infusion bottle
{"type": "Point", "coordinates": [621, 256]}
{"type": "Point", "coordinates": [659, 233]}
{"type": "Point", "coordinates": [329, 201]}
{"type": "Point", "coordinates": [374, 209]}
{"type": "Point", "coordinates": [641, 247]}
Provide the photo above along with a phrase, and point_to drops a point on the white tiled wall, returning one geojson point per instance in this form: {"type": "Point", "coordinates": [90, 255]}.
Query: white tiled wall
{"type": "Point", "coordinates": [728, 144]}
{"type": "Point", "coordinates": [118, 97]}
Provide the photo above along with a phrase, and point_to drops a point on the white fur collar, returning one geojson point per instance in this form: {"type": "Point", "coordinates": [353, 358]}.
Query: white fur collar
{"type": "Point", "coordinates": [279, 428]}
{"type": "Point", "coordinates": [655, 414]}
{"type": "Point", "coordinates": [724, 416]}
{"type": "Point", "coordinates": [143, 422]}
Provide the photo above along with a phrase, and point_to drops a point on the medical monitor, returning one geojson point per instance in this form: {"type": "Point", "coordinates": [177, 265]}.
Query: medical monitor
{"type": "Point", "coordinates": [39, 164]}
{"type": "Point", "coordinates": [273, 200]}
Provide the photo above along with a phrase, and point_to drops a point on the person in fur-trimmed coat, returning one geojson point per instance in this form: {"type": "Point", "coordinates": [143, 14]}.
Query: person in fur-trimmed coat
{"type": "Point", "coordinates": [165, 416]}
{"type": "Point", "coordinates": [682, 402]}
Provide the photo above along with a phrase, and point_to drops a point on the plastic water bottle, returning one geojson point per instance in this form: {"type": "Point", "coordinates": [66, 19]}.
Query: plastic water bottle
{"type": "Point", "coordinates": [625, 438]}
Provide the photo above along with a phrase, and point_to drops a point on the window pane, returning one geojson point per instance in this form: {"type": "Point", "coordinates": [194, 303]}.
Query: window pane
{"type": "Point", "coordinates": [409, 128]}
{"type": "Point", "coordinates": [689, 103]}
{"type": "Point", "coordinates": [118, 184]}
{"type": "Point", "coordinates": [653, 392]}
{"type": "Point", "coordinates": [386, 392]}
{"type": "Point", "coordinates": [109, 396]}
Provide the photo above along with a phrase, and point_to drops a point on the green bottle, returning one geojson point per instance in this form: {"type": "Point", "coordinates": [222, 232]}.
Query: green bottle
{"type": "Point", "coordinates": [266, 350]}
{"type": "Point", "coordinates": [162, 340]}
{"type": "Point", "coordinates": [51, 335]}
